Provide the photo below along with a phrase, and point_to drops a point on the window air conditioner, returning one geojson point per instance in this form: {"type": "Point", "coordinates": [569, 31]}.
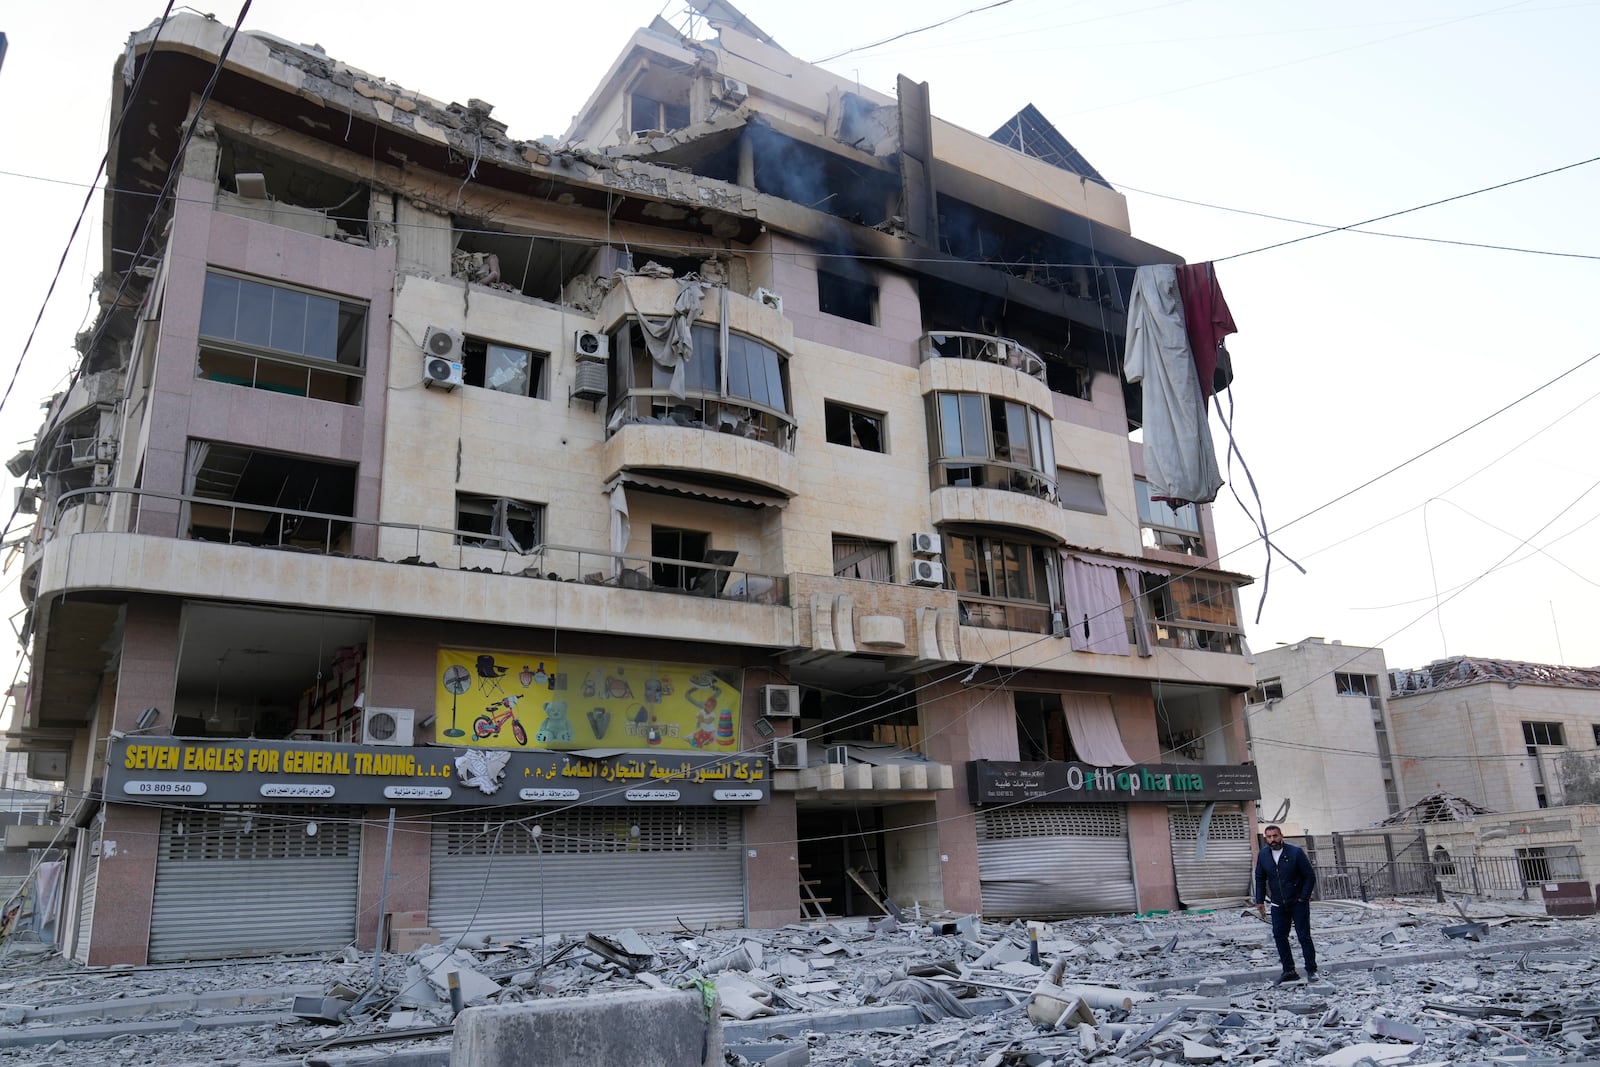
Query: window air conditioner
{"type": "Point", "coordinates": [780, 701]}
{"type": "Point", "coordinates": [83, 451]}
{"type": "Point", "coordinates": [589, 382]}
{"type": "Point", "coordinates": [927, 572]}
{"type": "Point", "coordinates": [768, 298]}
{"type": "Point", "coordinates": [788, 753]}
{"type": "Point", "coordinates": [26, 502]}
{"type": "Point", "coordinates": [442, 343]}
{"type": "Point", "coordinates": [926, 543]}
{"type": "Point", "coordinates": [591, 344]}
{"type": "Point", "coordinates": [388, 726]}
{"type": "Point", "coordinates": [734, 91]}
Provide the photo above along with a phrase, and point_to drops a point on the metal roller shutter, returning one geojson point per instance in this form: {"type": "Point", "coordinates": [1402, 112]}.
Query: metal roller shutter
{"type": "Point", "coordinates": [586, 871]}
{"type": "Point", "coordinates": [1044, 860]}
{"type": "Point", "coordinates": [88, 878]}
{"type": "Point", "coordinates": [246, 880]}
{"type": "Point", "coordinates": [1223, 876]}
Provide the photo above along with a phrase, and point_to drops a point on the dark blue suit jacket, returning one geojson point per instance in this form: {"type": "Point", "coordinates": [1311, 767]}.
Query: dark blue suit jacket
{"type": "Point", "coordinates": [1289, 881]}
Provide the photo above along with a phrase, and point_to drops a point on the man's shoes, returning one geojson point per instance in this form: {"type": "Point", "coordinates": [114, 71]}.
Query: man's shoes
{"type": "Point", "coordinates": [1287, 976]}
{"type": "Point", "coordinates": [1311, 974]}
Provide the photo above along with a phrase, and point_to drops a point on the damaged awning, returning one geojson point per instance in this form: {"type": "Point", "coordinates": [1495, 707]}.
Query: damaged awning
{"type": "Point", "coordinates": [747, 498]}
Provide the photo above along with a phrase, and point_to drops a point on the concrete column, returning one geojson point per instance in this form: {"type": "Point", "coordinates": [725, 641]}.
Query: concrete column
{"type": "Point", "coordinates": [410, 866]}
{"type": "Point", "coordinates": [772, 874]}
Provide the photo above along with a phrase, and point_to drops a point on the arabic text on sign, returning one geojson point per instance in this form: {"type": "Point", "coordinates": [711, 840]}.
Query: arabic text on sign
{"type": "Point", "coordinates": [736, 794]}
{"type": "Point", "coordinates": [651, 794]}
{"type": "Point", "coordinates": [548, 794]}
{"type": "Point", "coordinates": [297, 789]}
{"type": "Point", "coordinates": [416, 792]}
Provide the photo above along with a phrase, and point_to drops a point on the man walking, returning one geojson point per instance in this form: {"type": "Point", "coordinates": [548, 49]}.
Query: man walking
{"type": "Point", "coordinates": [1285, 876]}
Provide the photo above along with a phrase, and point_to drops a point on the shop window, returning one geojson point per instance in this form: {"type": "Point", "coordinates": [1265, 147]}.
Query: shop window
{"type": "Point", "coordinates": [282, 339]}
{"type": "Point", "coordinates": [504, 368]}
{"type": "Point", "coordinates": [857, 557]}
{"type": "Point", "coordinates": [853, 427]}
{"type": "Point", "coordinates": [847, 298]}
{"type": "Point", "coordinates": [499, 522]}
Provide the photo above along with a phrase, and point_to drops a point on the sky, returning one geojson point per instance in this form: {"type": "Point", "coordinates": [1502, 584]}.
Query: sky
{"type": "Point", "coordinates": [1356, 354]}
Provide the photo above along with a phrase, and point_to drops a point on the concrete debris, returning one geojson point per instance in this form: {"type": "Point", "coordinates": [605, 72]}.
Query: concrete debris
{"type": "Point", "coordinates": [1131, 991]}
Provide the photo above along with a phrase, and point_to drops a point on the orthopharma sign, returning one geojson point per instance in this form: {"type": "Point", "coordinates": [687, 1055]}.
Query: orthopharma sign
{"type": "Point", "coordinates": [992, 782]}
{"type": "Point", "coordinates": [241, 771]}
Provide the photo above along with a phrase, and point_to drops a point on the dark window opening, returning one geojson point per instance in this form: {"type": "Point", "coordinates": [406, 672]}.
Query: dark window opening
{"type": "Point", "coordinates": [1269, 689]}
{"type": "Point", "coordinates": [847, 298]}
{"type": "Point", "coordinates": [853, 427]}
{"type": "Point", "coordinates": [1355, 685]}
{"type": "Point", "coordinates": [1042, 733]}
{"type": "Point", "coordinates": [245, 172]}
{"type": "Point", "coordinates": [652, 115]}
{"type": "Point", "coordinates": [513, 262]}
{"type": "Point", "coordinates": [846, 718]}
{"type": "Point", "coordinates": [504, 368]}
{"type": "Point", "coordinates": [672, 543]}
{"type": "Point", "coordinates": [253, 497]}
{"type": "Point", "coordinates": [499, 523]}
{"type": "Point", "coordinates": [1543, 733]}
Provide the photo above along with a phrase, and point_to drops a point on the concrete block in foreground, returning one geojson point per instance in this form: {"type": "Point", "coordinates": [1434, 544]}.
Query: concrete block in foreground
{"type": "Point", "coordinates": [648, 1028]}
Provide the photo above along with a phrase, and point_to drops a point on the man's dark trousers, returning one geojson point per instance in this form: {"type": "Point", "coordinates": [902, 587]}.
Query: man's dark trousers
{"type": "Point", "coordinates": [1298, 913]}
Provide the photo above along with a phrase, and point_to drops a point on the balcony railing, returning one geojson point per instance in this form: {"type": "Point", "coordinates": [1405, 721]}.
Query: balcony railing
{"type": "Point", "coordinates": [985, 347]}
{"type": "Point", "coordinates": [996, 474]}
{"type": "Point", "coordinates": [1200, 636]}
{"type": "Point", "coordinates": [989, 613]}
{"type": "Point", "coordinates": [740, 418]}
{"type": "Point", "coordinates": [327, 534]}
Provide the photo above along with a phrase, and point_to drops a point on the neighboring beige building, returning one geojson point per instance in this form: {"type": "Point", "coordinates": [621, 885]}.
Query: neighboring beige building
{"type": "Point", "coordinates": [1493, 731]}
{"type": "Point", "coordinates": [665, 525]}
{"type": "Point", "coordinates": [1320, 734]}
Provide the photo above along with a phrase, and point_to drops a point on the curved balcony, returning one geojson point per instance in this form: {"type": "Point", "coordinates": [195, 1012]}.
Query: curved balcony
{"type": "Point", "coordinates": [986, 348]}
{"type": "Point", "coordinates": [714, 440]}
{"type": "Point", "coordinates": [1021, 510]}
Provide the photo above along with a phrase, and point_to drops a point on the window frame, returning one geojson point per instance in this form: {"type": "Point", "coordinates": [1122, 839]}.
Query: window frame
{"type": "Point", "coordinates": [834, 412]}
{"type": "Point", "coordinates": [960, 423]}
{"type": "Point", "coordinates": [475, 367]}
{"type": "Point", "coordinates": [1070, 500]}
{"type": "Point", "coordinates": [868, 549]}
{"type": "Point", "coordinates": [1344, 684]}
{"type": "Point", "coordinates": [336, 372]}
{"type": "Point", "coordinates": [847, 298]}
{"type": "Point", "coordinates": [1532, 730]}
{"type": "Point", "coordinates": [679, 576]}
{"type": "Point", "coordinates": [501, 533]}
{"type": "Point", "coordinates": [1267, 689]}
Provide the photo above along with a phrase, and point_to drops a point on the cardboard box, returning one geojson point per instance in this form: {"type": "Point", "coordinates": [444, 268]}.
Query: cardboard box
{"type": "Point", "coordinates": [411, 938]}
{"type": "Point", "coordinates": [407, 920]}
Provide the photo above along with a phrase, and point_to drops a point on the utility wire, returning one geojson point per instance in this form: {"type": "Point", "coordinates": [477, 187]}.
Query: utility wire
{"type": "Point", "coordinates": [908, 33]}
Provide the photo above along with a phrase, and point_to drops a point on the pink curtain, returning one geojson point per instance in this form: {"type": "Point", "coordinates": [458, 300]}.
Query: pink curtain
{"type": "Point", "coordinates": [1093, 725]}
{"type": "Point", "coordinates": [1093, 607]}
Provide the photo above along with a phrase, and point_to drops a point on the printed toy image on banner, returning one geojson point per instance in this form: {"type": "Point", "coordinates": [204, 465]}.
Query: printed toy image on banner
{"type": "Point", "coordinates": [533, 700]}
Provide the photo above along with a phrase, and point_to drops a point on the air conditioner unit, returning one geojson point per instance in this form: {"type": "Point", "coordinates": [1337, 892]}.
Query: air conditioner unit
{"type": "Point", "coordinates": [927, 572]}
{"type": "Point", "coordinates": [27, 503]}
{"type": "Point", "coordinates": [590, 344]}
{"type": "Point", "coordinates": [82, 451]}
{"type": "Point", "coordinates": [105, 449]}
{"type": "Point", "coordinates": [436, 370]}
{"type": "Point", "coordinates": [926, 543]}
{"type": "Point", "coordinates": [388, 726]}
{"type": "Point", "coordinates": [780, 701]}
{"type": "Point", "coordinates": [788, 753]}
{"type": "Point", "coordinates": [101, 474]}
{"type": "Point", "coordinates": [443, 343]}
{"type": "Point", "coordinates": [768, 298]}
{"type": "Point", "coordinates": [589, 382]}
{"type": "Point", "coordinates": [734, 91]}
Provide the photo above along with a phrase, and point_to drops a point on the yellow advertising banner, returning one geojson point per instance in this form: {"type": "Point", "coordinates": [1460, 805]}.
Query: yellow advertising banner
{"type": "Point", "coordinates": [532, 700]}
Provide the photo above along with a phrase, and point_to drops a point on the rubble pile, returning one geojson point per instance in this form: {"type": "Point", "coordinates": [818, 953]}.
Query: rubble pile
{"type": "Point", "coordinates": [1400, 983]}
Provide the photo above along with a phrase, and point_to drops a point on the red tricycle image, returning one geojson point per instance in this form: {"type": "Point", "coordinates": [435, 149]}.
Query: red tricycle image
{"type": "Point", "coordinates": [497, 715]}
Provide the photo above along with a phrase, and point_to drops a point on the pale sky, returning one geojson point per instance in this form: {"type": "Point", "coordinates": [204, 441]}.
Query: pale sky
{"type": "Point", "coordinates": [1354, 352]}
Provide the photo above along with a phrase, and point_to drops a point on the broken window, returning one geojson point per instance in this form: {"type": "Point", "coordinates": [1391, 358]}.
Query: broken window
{"type": "Point", "coordinates": [255, 497]}
{"type": "Point", "coordinates": [1544, 733]}
{"type": "Point", "coordinates": [651, 115]}
{"type": "Point", "coordinates": [1355, 685]}
{"type": "Point", "coordinates": [504, 368]}
{"type": "Point", "coordinates": [991, 442]}
{"type": "Point", "coordinates": [858, 557]}
{"type": "Point", "coordinates": [1005, 585]}
{"type": "Point", "coordinates": [847, 718]}
{"type": "Point", "coordinates": [281, 338]}
{"type": "Point", "coordinates": [673, 543]}
{"type": "Point", "coordinates": [1197, 613]}
{"type": "Point", "coordinates": [255, 183]}
{"type": "Point", "coordinates": [853, 427]}
{"type": "Point", "coordinates": [848, 298]}
{"type": "Point", "coordinates": [1166, 527]}
{"type": "Point", "coordinates": [1269, 689]}
{"type": "Point", "coordinates": [1080, 491]}
{"type": "Point", "coordinates": [499, 522]}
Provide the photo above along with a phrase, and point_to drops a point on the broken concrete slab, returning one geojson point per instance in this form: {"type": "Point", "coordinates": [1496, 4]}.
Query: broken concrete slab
{"type": "Point", "coordinates": [672, 1029]}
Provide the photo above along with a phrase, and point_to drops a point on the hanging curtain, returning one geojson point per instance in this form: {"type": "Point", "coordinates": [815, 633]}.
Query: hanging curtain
{"type": "Point", "coordinates": [1093, 726]}
{"type": "Point", "coordinates": [671, 340]}
{"type": "Point", "coordinates": [1093, 607]}
{"type": "Point", "coordinates": [621, 528]}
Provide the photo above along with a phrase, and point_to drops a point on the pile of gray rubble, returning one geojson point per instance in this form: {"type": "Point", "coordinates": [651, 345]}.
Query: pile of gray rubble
{"type": "Point", "coordinates": [1400, 983]}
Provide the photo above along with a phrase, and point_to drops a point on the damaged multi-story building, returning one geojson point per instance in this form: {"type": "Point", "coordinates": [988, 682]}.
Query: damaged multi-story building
{"type": "Point", "coordinates": [732, 513]}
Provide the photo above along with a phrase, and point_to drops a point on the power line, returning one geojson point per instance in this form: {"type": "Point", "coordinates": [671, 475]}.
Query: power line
{"type": "Point", "coordinates": [908, 33]}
